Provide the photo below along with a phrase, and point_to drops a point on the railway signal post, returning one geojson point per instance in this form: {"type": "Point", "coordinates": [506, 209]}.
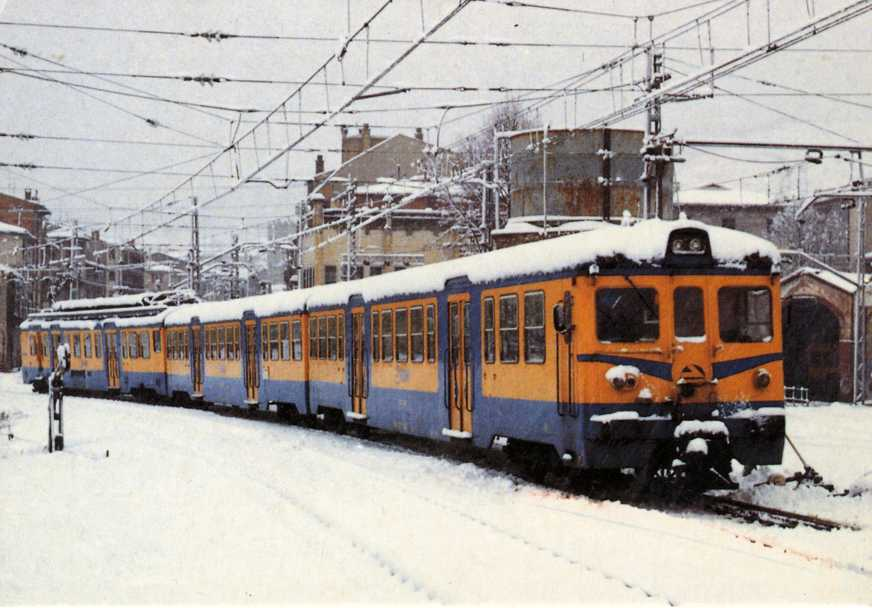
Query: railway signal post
{"type": "Point", "coordinates": [56, 400]}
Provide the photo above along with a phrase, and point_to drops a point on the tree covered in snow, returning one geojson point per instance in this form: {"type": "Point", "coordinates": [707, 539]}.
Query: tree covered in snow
{"type": "Point", "coordinates": [820, 230]}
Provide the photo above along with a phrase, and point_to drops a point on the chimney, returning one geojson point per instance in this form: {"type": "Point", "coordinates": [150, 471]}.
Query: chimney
{"type": "Point", "coordinates": [419, 133]}
{"type": "Point", "coordinates": [319, 165]}
{"type": "Point", "coordinates": [364, 136]}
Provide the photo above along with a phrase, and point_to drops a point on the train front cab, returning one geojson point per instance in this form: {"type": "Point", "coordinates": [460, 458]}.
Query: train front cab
{"type": "Point", "coordinates": [689, 351]}
{"type": "Point", "coordinates": [35, 359]}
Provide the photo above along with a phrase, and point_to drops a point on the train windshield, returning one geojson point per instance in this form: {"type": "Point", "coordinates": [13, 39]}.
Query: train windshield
{"type": "Point", "coordinates": [689, 313]}
{"type": "Point", "coordinates": [627, 315]}
{"type": "Point", "coordinates": [745, 314]}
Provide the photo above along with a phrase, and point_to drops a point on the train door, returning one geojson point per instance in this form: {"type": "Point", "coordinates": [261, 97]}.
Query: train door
{"type": "Point", "coordinates": [359, 388]}
{"type": "Point", "coordinates": [562, 318]}
{"type": "Point", "coordinates": [113, 375]}
{"type": "Point", "coordinates": [691, 353]}
{"type": "Point", "coordinates": [459, 362]}
{"type": "Point", "coordinates": [40, 349]}
{"type": "Point", "coordinates": [252, 376]}
{"type": "Point", "coordinates": [196, 361]}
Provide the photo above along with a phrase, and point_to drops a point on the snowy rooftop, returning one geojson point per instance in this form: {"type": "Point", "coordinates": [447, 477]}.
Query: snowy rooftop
{"type": "Point", "coordinates": [557, 224]}
{"type": "Point", "coordinates": [11, 229]}
{"type": "Point", "coordinates": [718, 195]}
{"type": "Point", "coordinates": [844, 281]}
{"type": "Point", "coordinates": [644, 242]}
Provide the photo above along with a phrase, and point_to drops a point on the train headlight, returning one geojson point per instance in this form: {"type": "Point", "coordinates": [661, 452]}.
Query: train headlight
{"type": "Point", "coordinates": [618, 382]}
{"type": "Point", "coordinates": [696, 246]}
{"type": "Point", "coordinates": [678, 246]}
{"type": "Point", "coordinates": [762, 378]}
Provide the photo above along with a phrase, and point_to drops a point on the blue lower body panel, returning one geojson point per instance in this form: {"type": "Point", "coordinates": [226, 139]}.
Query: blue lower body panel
{"type": "Point", "coordinates": [149, 381]}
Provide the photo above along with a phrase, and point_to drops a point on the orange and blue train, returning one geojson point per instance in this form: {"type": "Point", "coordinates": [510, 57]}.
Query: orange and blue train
{"type": "Point", "coordinates": [646, 346]}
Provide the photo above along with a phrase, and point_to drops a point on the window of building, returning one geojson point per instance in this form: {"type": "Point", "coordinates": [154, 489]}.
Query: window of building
{"type": "Point", "coordinates": [376, 337]}
{"type": "Point", "coordinates": [489, 338]}
{"type": "Point", "coordinates": [416, 333]}
{"type": "Point", "coordinates": [331, 338]}
{"type": "Point", "coordinates": [329, 275]}
{"type": "Point", "coordinates": [322, 338]}
{"type": "Point", "coordinates": [274, 342]}
{"type": "Point", "coordinates": [627, 315]}
{"type": "Point", "coordinates": [431, 333]}
{"type": "Point", "coordinates": [745, 314]}
{"type": "Point", "coordinates": [689, 313]}
{"type": "Point", "coordinates": [534, 327]}
{"type": "Point", "coordinates": [222, 343]}
{"type": "Point", "coordinates": [387, 335]}
{"type": "Point", "coordinates": [297, 340]}
{"type": "Point", "coordinates": [509, 328]}
{"type": "Point", "coordinates": [375, 270]}
{"type": "Point", "coordinates": [402, 335]}
{"type": "Point", "coordinates": [285, 339]}
{"type": "Point", "coordinates": [340, 336]}
{"type": "Point", "coordinates": [77, 346]}
{"type": "Point", "coordinates": [313, 338]}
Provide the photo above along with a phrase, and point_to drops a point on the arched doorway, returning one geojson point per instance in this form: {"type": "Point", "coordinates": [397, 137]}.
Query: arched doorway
{"type": "Point", "coordinates": [811, 347]}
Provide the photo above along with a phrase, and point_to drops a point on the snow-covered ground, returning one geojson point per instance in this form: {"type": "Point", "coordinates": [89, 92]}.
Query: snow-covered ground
{"type": "Point", "coordinates": [194, 507]}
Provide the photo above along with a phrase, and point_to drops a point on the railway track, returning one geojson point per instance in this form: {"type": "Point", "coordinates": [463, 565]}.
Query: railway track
{"type": "Point", "coordinates": [751, 513]}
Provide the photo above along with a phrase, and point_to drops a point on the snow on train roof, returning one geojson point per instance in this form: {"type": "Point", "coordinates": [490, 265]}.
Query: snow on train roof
{"type": "Point", "coordinates": [644, 242]}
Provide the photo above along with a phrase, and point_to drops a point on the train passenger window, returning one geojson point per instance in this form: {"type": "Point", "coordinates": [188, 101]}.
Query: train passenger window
{"type": "Point", "coordinates": [228, 349]}
{"type": "Point", "coordinates": [417, 333]}
{"type": "Point", "coordinates": [236, 335]}
{"type": "Point", "coordinates": [144, 343]}
{"type": "Point", "coordinates": [431, 333]}
{"type": "Point", "coordinates": [264, 340]}
{"type": "Point", "coordinates": [313, 338]}
{"type": "Point", "coordinates": [171, 345]}
{"type": "Point", "coordinates": [98, 345]}
{"type": "Point", "coordinates": [77, 346]}
{"type": "Point", "coordinates": [376, 337]}
{"type": "Point", "coordinates": [45, 345]}
{"type": "Point", "coordinates": [322, 338]}
{"type": "Point", "coordinates": [274, 342]}
{"type": "Point", "coordinates": [186, 344]}
{"type": "Point", "coordinates": [331, 338]}
{"type": "Point", "coordinates": [123, 345]}
{"type": "Point", "coordinates": [467, 327]}
{"type": "Point", "coordinates": [88, 350]}
{"type": "Point", "coordinates": [297, 340]}
{"type": "Point", "coordinates": [340, 336]}
{"type": "Point", "coordinates": [745, 314]}
{"type": "Point", "coordinates": [402, 335]}
{"type": "Point", "coordinates": [489, 339]}
{"type": "Point", "coordinates": [689, 313]}
{"type": "Point", "coordinates": [132, 344]}
{"type": "Point", "coordinates": [221, 339]}
{"type": "Point", "coordinates": [509, 329]}
{"type": "Point", "coordinates": [534, 327]}
{"type": "Point", "coordinates": [387, 336]}
{"type": "Point", "coordinates": [286, 341]}
{"type": "Point", "coordinates": [627, 315]}
{"type": "Point", "coordinates": [156, 342]}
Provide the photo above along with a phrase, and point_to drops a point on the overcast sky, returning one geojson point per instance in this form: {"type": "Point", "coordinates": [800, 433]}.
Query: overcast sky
{"type": "Point", "coordinates": [51, 109]}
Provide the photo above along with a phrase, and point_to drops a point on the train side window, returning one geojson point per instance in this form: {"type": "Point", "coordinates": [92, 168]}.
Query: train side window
{"type": "Point", "coordinates": [274, 341]}
{"type": "Point", "coordinates": [534, 327]}
{"type": "Point", "coordinates": [132, 346]}
{"type": "Point", "coordinates": [186, 344]}
{"type": "Point", "coordinates": [156, 342]}
{"type": "Point", "coordinates": [387, 336]}
{"type": "Point", "coordinates": [313, 338]}
{"type": "Point", "coordinates": [402, 335]}
{"type": "Point", "coordinates": [489, 338]}
{"type": "Point", "coordinates": [745, 314]}
{"type": "Point", "coordinates": [264, 340]}
{"type": "Point", "coordinates": [689, 313]}
{"type": "Point", "coordinates": [331, 338]}
{"type": "Point", "coordinates": [123, 345]}
{"type": "Point", "coordinates": [88, 350]}
{"type": "Point", "coordinates": [286, 344]}
{"type": "Point", "coordinates": [45, 345]}
{"type": "Point", "coordinates": [509, 328]}
{"type": "Point", "coordinates": [376, 336]}
{"type": "Point", "coordinates": [417, 333]}
{"type": "Point", "coordinates": [98, 351]}
{"type": "Point", "coordinates": [431, 333]}
{"type": "Point", "coordinates": [77, 346]}
{"type": "Point", "coordinates": [144, 344]}
{"type": "Point", "coordinates": [322, 338]}
{"type": "Point", "coordinates": [228, 352]}
{"type": "Point", "coordinates": [627, 315]}
{"type": "Point", "coordinates": [340, 335]}
{"type": "Point", "coordinates": [237, 333]}
{"type": "Point", "coordinates": [222, 343]}
{"type": "Point", "coordinates": [171, 345]}
{"type": "Point", "coordinates": [297, 340]}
